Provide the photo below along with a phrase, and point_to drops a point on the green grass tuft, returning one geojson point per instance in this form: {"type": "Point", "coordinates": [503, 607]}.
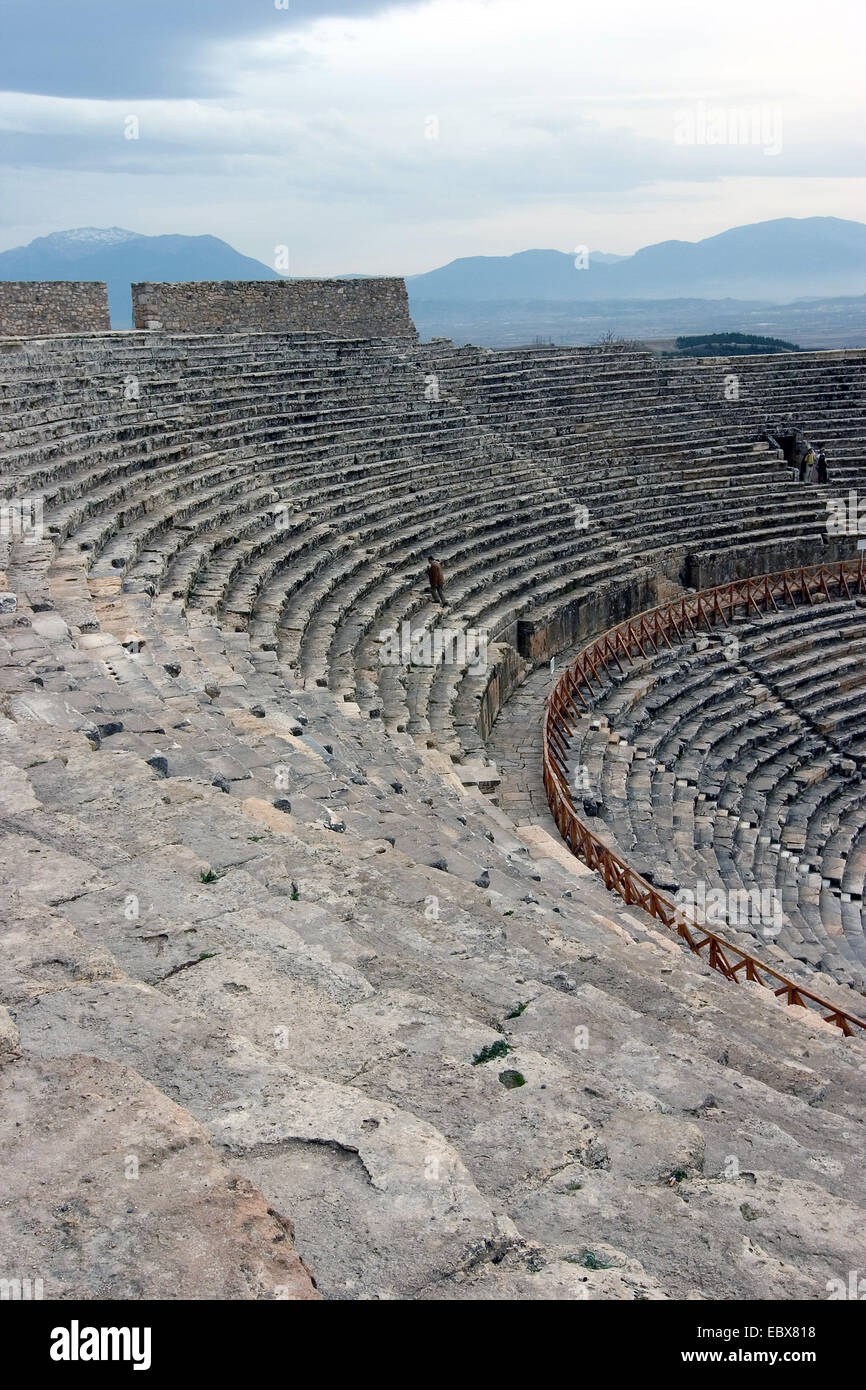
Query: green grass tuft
{"type": "Point", "coordinates": [518, 1009]}
{"type": "Point", "coordinates": [491, 1052]}
{"type": "Point", "coordinates": [588, 1260]}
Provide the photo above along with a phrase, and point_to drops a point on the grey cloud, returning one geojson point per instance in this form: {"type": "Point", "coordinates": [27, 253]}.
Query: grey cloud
{"type": "Point", "coordinates": [322, 158]}
{"type": "Point", "coordinates": [139, 49]}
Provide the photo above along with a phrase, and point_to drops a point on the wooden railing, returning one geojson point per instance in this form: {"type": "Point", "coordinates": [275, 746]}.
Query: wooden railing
{"type": "Point", "coordinates": [574, 691]}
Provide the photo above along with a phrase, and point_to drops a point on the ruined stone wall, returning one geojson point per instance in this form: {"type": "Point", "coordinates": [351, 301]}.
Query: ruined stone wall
{"type": "Point", "coordinates": [375, 308]}
{"type": "Point", "coordinates": [30, 308]}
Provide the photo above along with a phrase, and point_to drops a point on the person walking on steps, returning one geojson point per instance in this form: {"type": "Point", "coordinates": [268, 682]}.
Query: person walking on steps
{"type": "Point", "coordinates": [436, 578]}
{"type": "Point", "coordinates": [821, 467]}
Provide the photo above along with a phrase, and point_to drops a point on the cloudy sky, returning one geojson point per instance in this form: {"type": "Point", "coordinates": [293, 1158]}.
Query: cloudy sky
{"type": "Point", "coordinates": [394, 135]}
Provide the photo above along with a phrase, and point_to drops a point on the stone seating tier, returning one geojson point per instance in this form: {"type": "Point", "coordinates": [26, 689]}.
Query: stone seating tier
{"type": "Point", "coordinates": [718, 763]}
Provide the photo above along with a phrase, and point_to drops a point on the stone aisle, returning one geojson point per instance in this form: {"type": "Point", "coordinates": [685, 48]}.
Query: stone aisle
{"type": "Point", "coordinates": [515, 746]}
{"type": "Point", "coordinates": [514, 743]}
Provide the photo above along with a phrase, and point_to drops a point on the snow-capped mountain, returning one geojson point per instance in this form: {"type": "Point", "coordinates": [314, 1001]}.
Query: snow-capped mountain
{"type": "Point", "coordinates": [120, 257]}
{"type": "Point", "coordinates": [80, 241]}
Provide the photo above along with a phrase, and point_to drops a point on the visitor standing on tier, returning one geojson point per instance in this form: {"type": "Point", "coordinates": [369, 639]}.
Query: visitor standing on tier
{"type": "Point", "coordinates": [806, 465]}
{"type": "Point", "coordinates": [821, 467]}
{"type": "Point", "coordinates": [436, 578]}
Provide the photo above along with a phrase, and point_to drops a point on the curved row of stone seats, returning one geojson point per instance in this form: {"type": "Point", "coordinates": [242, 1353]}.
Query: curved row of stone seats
{"type": "Point", "coordinates": [317, 978]}
{"type": "Point", "coordinates": [399, 556]}
{"type": "Point", "coordinates": [556, 393]}
{"type": "Point", "coordinates": [129, 540]}
{"type": "Point", "coordinates": [593, 372]}
{"type": "Point", "coordinates": [269, 583]}
{"type": "Point", "coordinates": [165, 387]}
{"type": "Point", "coordinates": [354, 493]}
{"type": "Point", "coordinates": [825, 379]}
{"type": "Point", "coordinates": [777, 382]}
{"type": "Point", "coordinates": [364, 678]}
{"type": "Point", "coordinates": [818, 800]}
{"type": "Point", "coordinates": [658, 441]}
{"type": "Point", "coordinates": [678, 745]}
{"type": "Point", "coordinates": [141, 490]}
{"type": "Point", "coordinates": [640, 501]}
{"type": "Point", "coordinates": [725, 860]}
{"type": "Point", "coordinates": [550, 400]}
{"type": "Point", "coordinates": [697, 766]}
{"type": "Point", "coordinates": [160, 527]}
{"type": "Point", "coordinates": [739, 497]}
{"type": "Point", "coordinates": [735, 823]}
{"type": "Point", "coordinates": [305, 611]}
{"type": "Point", "coordinates": [189, 525]}
{"type": "Point", "coordinates": [687, 396]}
{"type": "Point", "coordinates": [265, 573]}
{"type": "Point", "coordinates": [812, 791]}
{"type": "Point", "coordinates": [819, 669]}
{"type": "Point", "coordinates": [506, 578]}
{"type": "Point", "coordinates": [538, 444]}
{"type": "Point", "coordinates": [287, 419]}
{"type": "Point", "coordinates": [819, 394]}
{"type": "Point", "coordinates": [699, 504]}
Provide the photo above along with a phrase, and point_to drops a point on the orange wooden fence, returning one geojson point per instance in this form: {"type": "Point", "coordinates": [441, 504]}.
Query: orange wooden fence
{"type": "Point", "coordinates": [647, 633]}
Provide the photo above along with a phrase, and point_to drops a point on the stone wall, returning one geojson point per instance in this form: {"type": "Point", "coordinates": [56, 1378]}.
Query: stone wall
{"type": "Point", "coordinates": [30, 308]}
{"type": "Point", "coordinates": [507, 670]}
{"type": "Point", "coordinates": [609, 603]}
{"type": "Point", "coordinates": [712, 567]}
{"type": "Point", "coordinates": [375, 308]}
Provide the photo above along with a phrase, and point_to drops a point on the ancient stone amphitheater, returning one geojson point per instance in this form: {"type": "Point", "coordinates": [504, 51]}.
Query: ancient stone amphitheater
{"type": "Point", "coordinates": [304, 993]}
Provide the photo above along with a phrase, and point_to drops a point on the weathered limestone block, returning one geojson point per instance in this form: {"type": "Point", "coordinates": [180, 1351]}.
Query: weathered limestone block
{"type": "Point", "coordinates": [113, 1191]}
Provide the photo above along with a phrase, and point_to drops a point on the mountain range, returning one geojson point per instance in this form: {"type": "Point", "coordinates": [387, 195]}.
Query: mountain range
{"type": "Point", "coordinates": [772, 262]}
{"type": "Point", "coordinates": [785, 259]}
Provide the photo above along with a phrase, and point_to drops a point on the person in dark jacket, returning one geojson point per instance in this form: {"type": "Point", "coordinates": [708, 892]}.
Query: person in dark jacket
{"type": "Point", "coordinates": [436, 578]}
{"type": "Point", "coordinates": [821, 467]}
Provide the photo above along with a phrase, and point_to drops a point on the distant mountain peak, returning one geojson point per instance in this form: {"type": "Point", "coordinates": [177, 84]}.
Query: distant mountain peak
{"type": "Point", "coordinates": [89, 237]}
{"type": "Point", "coordinates": [121, 257]}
